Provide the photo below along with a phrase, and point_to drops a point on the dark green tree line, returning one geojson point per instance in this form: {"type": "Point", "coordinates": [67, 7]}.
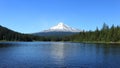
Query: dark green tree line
{"type": "Point", "coordinates": [106, 34]}
{"type": "Point", "coordinates": [9, 35]}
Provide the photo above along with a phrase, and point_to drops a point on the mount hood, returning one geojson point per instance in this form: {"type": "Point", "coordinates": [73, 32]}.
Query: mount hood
{"type": "Point", "coordinates": [61, 27]}
{"type": "Point", "coordinates": [59, 30]}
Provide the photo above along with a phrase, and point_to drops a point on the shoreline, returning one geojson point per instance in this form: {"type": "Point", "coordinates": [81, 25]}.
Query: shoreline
{"type": "Point", "coordinates": [99, 42]}
{"type": "Point", "coordinates": [86, 42]}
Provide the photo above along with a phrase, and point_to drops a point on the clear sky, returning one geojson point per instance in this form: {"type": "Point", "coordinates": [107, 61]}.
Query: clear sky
{"type": "Point", "coordinates": [28, 16]}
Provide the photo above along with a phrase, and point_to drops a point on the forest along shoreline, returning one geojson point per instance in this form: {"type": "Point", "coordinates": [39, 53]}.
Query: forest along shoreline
{"type": "Point", "coordinates": [105, 35]}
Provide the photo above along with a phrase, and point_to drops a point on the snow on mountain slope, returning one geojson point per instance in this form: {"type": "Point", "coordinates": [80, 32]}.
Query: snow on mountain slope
{"type": "Point", "coordinates": [61, 27]}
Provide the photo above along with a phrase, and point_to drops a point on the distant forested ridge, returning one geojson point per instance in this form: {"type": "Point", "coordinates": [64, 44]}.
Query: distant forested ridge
{"type": "Point", "coordinates": [55, 34]}
{"type": "Point", "coordinates": [106, 34]}
{"type": "Point", "coordinates": [10, 35]}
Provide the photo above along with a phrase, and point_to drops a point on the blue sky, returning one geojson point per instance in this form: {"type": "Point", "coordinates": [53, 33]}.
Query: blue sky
{"type": "Point", "coordinates": [28, 16]}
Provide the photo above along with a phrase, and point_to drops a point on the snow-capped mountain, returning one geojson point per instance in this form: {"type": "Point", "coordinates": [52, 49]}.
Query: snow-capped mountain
{"type": "Point", "coordinates": [61, 27]}
{"type": "Point", "coordinates": [58, 30]}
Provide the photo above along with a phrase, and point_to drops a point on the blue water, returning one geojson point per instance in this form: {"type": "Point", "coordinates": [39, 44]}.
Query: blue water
{"type": "Point", "coordinates": [58, 55]}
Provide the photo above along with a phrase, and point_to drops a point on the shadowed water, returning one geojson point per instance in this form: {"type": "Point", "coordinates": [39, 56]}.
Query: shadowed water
{"type": "Point", "coordinates": [58, 55]}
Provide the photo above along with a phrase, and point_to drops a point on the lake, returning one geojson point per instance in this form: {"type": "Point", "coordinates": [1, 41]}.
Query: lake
{"type": "Point", "coordinates": [58, 55]}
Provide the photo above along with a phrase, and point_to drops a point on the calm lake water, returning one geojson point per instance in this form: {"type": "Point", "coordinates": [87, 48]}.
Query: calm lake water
{"type": "Point", "coordinates": [58, 55]}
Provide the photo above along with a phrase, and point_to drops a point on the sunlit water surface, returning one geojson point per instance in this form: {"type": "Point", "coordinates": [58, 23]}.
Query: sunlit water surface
{"type": "Point", "coordinates": [58, 55]}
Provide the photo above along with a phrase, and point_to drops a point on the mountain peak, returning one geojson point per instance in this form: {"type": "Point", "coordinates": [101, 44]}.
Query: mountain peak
{"type": "Point", "coordinates": [61, 24]}
{"type": "Point", "coordinates": [61, 27]}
